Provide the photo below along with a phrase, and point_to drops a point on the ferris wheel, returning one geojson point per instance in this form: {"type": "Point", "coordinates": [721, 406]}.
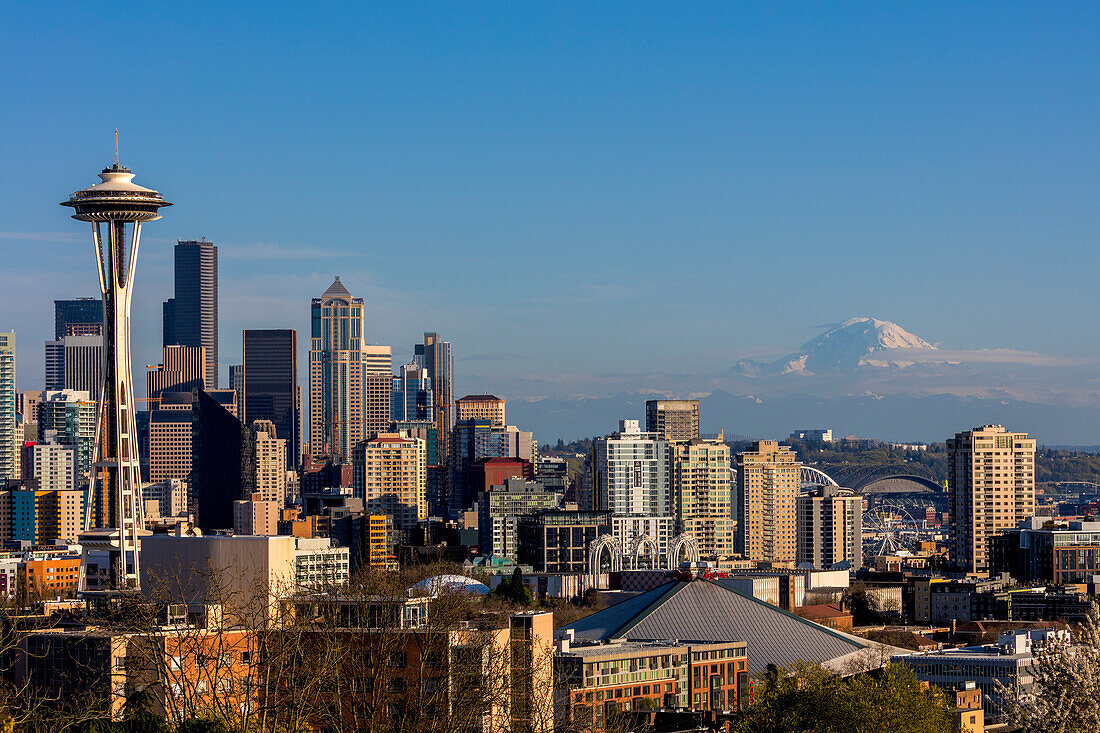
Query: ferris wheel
{"type": "Point", "coordinates": [884, 528]}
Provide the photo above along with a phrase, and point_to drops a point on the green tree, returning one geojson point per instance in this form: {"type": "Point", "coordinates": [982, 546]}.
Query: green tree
{"type": "Point", "coordinates": [808, 699]}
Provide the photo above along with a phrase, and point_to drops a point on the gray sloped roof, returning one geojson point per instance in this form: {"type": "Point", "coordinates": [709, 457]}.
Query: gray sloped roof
{"type": "Point", "coordinates": [706, 611]}
{"type": "Point", "coordinates": [337, 289]}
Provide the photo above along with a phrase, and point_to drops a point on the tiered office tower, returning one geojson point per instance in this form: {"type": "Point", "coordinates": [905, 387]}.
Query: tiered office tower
{"type": "Point", "coordinates": [182, 369]}
{"type": "Point", "coordinates": [9, 441]}
{"type": "Point", "coordinates": [335, 373]}
{"type": "Point", "coordinates": [191, 317]}
{"type": "Point", "coordinates": [991, 477]}
{"type": "Point", "coordinates": [116, 208]}
{"type": "Point", "coordinates": [767, 485]}
{"type": "Point", "coordinates": [673, 420]}
{"type": "Point", "coordinates": [269, 385]}
{"type": "Point", "coordinates": [434, 356]}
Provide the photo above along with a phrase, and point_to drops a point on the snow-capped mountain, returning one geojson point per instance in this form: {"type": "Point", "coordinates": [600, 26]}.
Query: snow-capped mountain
{"type": "Point", "coordinates": [855, 343]}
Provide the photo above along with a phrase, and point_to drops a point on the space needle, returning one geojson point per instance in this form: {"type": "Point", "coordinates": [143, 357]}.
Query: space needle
{"type": "Point", "coordinates": [113, 514]}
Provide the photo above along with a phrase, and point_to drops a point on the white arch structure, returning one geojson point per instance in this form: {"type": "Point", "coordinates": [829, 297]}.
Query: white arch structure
{"type": "Point", "coordinates": [682, 542]}
{"type": "Point", "coordinates": [596, 548]}
{"type": "Point", "coordinates": [641, 543]}
{"type": "Point", "coordinates": [808, 475]}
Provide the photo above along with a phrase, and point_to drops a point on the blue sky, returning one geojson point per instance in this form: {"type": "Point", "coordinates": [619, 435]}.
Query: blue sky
{"type": "Point", "coordinates": [567, 190]}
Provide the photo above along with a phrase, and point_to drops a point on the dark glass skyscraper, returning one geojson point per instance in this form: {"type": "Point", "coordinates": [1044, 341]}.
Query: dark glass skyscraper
{"type": "Point", "coordinates": [78, 317]}
{"type": "Point", "coordinates": [191, 317]}
{"type": "Point", "coordinates": [220, 472]}
{"type": "Point", "coordinates": [271, 384]}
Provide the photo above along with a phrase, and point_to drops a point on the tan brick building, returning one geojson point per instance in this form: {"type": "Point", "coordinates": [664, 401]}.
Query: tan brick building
{"type": "Point", "coordinates": [767, 486]}
{"type": "Point", "coordinates": [701, 494]}
{"type": "Point", "coordinates": [390, 473]}
{"type": "Point", "coordinates": [673, 420]}
{"type": "Point", "coordinates": [991, 478]}
{"type": "Point", "coordinates": [481, 407]}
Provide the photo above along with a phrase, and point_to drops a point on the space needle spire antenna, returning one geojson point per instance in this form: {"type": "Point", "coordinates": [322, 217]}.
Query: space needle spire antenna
{"type": "Point", "coordinates": [114, 517]}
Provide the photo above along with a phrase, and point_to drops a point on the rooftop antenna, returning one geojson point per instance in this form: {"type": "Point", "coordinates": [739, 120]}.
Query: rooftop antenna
{"type": "Point", "coordinates": [116, 147]}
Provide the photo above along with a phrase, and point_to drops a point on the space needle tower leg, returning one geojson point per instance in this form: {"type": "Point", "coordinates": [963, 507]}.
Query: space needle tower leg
{"type": "Point", "coordinates": [114, 515]}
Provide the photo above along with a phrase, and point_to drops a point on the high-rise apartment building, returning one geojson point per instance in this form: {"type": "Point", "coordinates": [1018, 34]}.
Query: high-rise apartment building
{"type": "Point", "coordinates": [182, 369]}
{"type": "Point", "coordinates": [191, 317]}
{"type": "Point", "coordinates": [377, 359]}
{"type": "Point", "coordinates": [630, 471]}
{"type": "Point", "coordinates": [481, 407]}
{"type": "Point", "coordinates": [434, 355]}
{"type": "Point", "coordinates": [335, 373]}
{"type": "Point", "coordinates": [412, 398]}
{"type": "Point", "coordinates": [767, 485]}
{"type": "Point", "coordinates": [829, 527]}
{"type": "Point", "coordinates": [270, 385]}
{"type": "Point", "coordinates": [673, 420]}
{"type": "Point", "coordinates": [9, 437]}
{"type": "Point", "coordinates": [69, 417]}
{"type": "Point", "coordinates": [701, 494]}
{"type": "Point", "coordinates": [389, 474]}
{"type": "Point", "coordinates": [54, 466]}
{"type": "Point", "coordinates": [499, 510]}
{"type": "Point", "coordinates": [77, 317]}
{"type": "Point", "coordinates": [991, 479]}
{"type": "Point", "coordinates": [268, 462]}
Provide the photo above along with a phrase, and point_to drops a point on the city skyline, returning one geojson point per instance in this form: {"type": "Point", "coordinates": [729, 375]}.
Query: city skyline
{"type": "Point", "coordinates": [872, 165]}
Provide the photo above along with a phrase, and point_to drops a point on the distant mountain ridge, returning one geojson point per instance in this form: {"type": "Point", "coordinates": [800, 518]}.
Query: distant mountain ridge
{"type": "Point", "coordinates": [845, 347]}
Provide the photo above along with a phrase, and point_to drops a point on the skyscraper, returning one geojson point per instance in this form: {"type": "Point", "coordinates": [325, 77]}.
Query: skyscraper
{"type": "Point", "coordinates": [630, 472]}
{"type": "Point", "coordinates": [377, 359]}
{"type": "Point", "coordinates": [377, 396]}
{"type": "Point", "coordinates": [434, 355]}
{"type": "Point", "coordinates": [77, 317]}
{"type": "Point", "coordinates": [673, 420]}
{"type": "Point", "coordinates": [9, 440]}
{"type": "Point", "coordinates": [767, 485]}
{"type": "Point", "coordinates": [991, 478]}
{"type": "Point", "coordinates": [335, 373]}
{"type": "Point", "coordinates": [191, 317]}
{"type": "Point", "coordinates": [74, 362]}
{"type": "Point", "coordinates": [182, 369]}
{"type": "Point", "coordinates": [412, 398]}
{"type": "Point", "coordinates": [221, 471]}
{"type": "Point", "coordinates": [270, 385]}
{"type": "Point", "coordinates": [116, 208]}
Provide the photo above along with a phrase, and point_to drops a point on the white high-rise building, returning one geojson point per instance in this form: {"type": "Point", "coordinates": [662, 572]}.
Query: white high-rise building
{"type": "Point", "coordinates": [9, 440]}
{"type": "Point", "coordinates": [67, 417]}
{"type": "Point", "coordinates": [630, 472]}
